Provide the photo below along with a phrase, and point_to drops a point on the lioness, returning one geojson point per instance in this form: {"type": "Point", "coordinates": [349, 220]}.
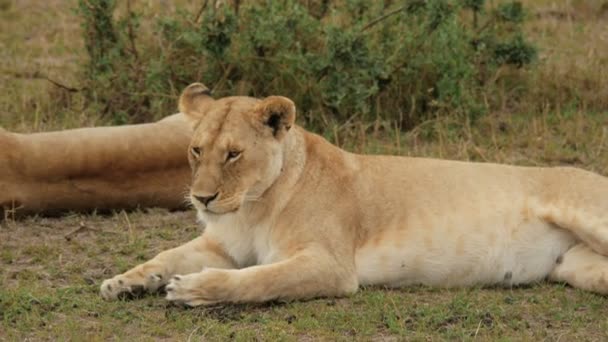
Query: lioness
{"type": "Point", "coordinates": [290, 216]}
{"type": "Point", "coordinates": [99, 168]}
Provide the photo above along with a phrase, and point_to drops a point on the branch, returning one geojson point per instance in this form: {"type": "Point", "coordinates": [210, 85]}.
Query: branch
{"type": "Point", "coordinates": [200, 11]}
{"type": "Point", "coordinates": [411, 4]}
{"type": "Point", "coordinates": [383, 17]}
{"type": "Point", "coordinates": [131, 32]}
{"type": "Point", "coordinates": [62, 86]}
{"type": "Point", "coordinates": [40, 76]}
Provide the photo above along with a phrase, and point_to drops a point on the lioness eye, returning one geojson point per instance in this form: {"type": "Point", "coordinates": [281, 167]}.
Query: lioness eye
{"type": "Point", "coordinates": [196, 151]}
{"type": "Point", "coordinates": [232, 155]}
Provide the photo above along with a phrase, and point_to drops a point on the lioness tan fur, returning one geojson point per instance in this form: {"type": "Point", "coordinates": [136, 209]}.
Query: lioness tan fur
{"type": "Point", "coordinates": [290, 216]}
{"type": "Point", "coordinates": [95, 168]}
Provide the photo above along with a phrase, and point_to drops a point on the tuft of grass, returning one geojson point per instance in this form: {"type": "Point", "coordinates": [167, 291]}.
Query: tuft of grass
{"type": "Point", "coordinates": [573, 57]}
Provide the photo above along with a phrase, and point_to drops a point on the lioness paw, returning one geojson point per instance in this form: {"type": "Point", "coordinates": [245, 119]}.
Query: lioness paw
{"type": "Point", "coordinates": [204, 288]}
{"type": "Point", "coordinates": [126, 287]}
{"type": "Point", "coordinates": [182, 290]}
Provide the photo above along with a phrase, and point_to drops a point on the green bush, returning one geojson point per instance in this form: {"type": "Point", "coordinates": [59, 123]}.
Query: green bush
{"type": "Point", "coordinates": [339, 60]}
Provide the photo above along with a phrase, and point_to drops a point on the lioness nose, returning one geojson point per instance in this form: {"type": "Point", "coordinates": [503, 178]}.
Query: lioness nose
{"type": "Point", "coordinates": [206, 199]}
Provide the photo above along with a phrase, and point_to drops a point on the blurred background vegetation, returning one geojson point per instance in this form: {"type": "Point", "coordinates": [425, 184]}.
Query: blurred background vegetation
{"type": "Point", "coordinates": [342, 61]}
{"type": "Point", "coordinates": [339, 60]}
{"type": "Point", "coordinates": [434, 69]}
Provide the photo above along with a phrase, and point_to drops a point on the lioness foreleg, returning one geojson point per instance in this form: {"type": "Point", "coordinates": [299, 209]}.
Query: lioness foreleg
{"type": "Point", "coordinates": [583, 268]}
{"type": "Point", "coordinates": [305, 275]}
{"type": "Point", "coordinates": [155, 273]}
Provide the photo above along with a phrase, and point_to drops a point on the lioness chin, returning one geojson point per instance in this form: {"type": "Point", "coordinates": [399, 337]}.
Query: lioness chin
{"type": "Point", "coordinates": [290, 216]}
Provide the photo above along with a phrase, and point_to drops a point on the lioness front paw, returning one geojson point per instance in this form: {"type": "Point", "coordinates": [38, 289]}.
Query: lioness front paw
{"type": "Point", "coordinates": [128, 287]}
{"type": "Point", "coordinates": [205, 288]}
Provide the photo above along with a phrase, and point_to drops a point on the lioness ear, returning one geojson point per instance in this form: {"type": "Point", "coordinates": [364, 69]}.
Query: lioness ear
{"type": "Point", "coordinates": [278, 113]}
{"type": "Point", "coordinates": [195, 101]}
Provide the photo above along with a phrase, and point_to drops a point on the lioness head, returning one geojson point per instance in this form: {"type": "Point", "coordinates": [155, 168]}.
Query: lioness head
{"type": "Point", "coordinates": [236, 151]}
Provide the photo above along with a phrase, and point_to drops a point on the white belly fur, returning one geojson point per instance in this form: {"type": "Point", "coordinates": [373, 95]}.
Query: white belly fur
{"type": "Point", "coordinates": [498, 254]}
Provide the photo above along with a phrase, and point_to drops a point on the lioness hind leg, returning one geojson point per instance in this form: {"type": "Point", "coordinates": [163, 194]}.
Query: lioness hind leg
{"type": "Point", "coordinates": [582, 268]}
{"type": "Point", "coordinates": [576, 200]}
{"type": "Point", "coordinates": [584, 223]}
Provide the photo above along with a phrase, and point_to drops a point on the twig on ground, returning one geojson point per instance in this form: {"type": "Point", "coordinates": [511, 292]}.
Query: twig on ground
{"type": "Point", "coordinates": [81, 227]}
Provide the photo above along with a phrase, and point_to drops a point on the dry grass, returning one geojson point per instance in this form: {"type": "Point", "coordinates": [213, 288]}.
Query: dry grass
{"type": "Point", "coordinates": [48, 283]}
{"type": "Point", "coordinates": [39, 39]}
{"type": "Point", "coordinates": [575, 138]}
{"type": "Point", "coordinates": [573, 41]}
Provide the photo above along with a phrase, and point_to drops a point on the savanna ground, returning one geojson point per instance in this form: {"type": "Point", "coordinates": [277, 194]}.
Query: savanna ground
{"type": "Point", "coordinates": [50, 268]}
